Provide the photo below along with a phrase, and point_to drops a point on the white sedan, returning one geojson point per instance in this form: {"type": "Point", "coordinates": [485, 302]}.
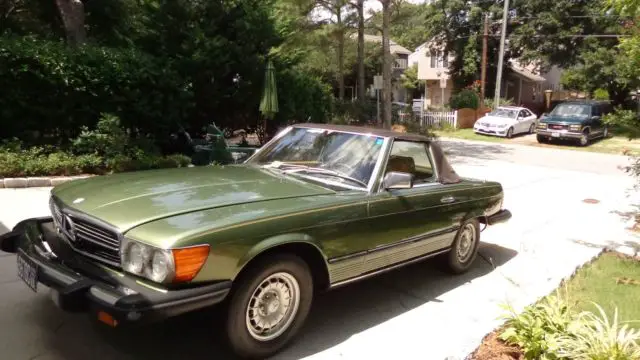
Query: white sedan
{"type": "Point", "coordinates": [506, 121]}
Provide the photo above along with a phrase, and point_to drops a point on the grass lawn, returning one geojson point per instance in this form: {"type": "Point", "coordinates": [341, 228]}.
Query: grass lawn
{"type": "Point", "coordinates": [599, 282]}
{"type": "Point", "coordinates": [613, 145]}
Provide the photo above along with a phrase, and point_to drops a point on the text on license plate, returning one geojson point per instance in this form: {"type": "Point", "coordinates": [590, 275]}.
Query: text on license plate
{"type": "Point", "coordinates": [555, 134]}
{"type": "Point", "coordinates": [27, 271]}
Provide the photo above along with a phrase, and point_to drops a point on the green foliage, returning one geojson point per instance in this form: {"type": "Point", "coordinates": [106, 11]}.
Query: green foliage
{"type": "Point", "coordinates": [596, 337]}
{"type": "Point", "coordinates": [465, 99]}
{"type": "Point", "coordinates": [536, 330]}
{"type": "Point", "coordinates": [601, 94]}
{"type": "Point", "coordinates": [627, 120]}
{"type": "Point", "coordinates": [553, 329]}
{"type": "Point", "coordinates": [108, 148]}
{"type": "Point", "coordinates": [490, 102]}
{"type": "Point", "coordinates": [70, 88]}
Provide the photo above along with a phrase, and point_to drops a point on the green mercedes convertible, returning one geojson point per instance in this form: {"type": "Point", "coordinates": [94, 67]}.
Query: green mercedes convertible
{"type": "Point", "coordinates": [317, 207]}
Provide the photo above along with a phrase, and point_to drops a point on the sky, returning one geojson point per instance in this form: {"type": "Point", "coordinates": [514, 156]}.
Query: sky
{"type": "Point", "coordinates": [368, 5]}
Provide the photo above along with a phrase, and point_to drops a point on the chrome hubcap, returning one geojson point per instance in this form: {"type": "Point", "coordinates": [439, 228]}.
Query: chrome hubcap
{"type": "Point", "coordinates": [273, 306]}
{"type": "Point", "coordinates": [583, 139]}
{"type": "Point", "coordinates": [466, 243]}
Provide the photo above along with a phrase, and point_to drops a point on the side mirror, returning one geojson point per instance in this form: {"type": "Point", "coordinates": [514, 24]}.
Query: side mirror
{"type": "Point", "coordinates": [398, 180]}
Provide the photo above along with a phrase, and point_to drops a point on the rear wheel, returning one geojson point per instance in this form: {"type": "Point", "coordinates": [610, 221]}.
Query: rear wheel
{"type": "Point", "coordinates": [269, 306]}
{"type": "Point", "coordinates": [465, 247]}
{"type": "Point", "coordinates": [532, 128]}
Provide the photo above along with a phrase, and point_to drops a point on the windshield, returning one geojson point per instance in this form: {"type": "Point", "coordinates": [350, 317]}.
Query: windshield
{"type": "Point", "coordinates": [324, 155]}
{"type": "Point", "coordinates": [580, 110]}
{"type": "Point", "coordinates": [506, 113]}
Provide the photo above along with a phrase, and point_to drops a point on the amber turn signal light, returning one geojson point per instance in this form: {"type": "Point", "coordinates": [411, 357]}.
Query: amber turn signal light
{"type": "Point", "coordinates": [189, 261]}
{"type": "Point", "coordinates": [107, 319]}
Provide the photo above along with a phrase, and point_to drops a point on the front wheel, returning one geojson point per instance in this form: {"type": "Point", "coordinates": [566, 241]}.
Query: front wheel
{"type": "Point", "coordinates": [584, 139]}
{"type": "Point", "coordinates": [465, 247]}
{"type": "Point", "coordinates": [510, 133]}
{"type": "Point", "coordinates": [541, 139]}
{"type": "Point", "coordinates": [269, 306]}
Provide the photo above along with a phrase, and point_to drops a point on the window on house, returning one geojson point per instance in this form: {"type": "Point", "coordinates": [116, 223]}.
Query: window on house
{"type": "Point", "coordinates": [434, 55]}
{"type": "Point", "coordinates": [445, 60]}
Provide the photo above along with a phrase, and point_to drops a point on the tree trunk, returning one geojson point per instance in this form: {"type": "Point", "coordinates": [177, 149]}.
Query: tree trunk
{"type": "Point", "coordinates": [361, 74]}
{"type": "Point", "coordinates": [340, 33]}
{"type": "Point", "coordinates": [386, 64]}
{"type": "Point", "coordinates": [72, 16]}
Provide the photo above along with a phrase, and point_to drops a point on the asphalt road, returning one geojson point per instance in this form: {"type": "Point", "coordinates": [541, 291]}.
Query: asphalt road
{"type": "Point", "coordinates": [413, 313]}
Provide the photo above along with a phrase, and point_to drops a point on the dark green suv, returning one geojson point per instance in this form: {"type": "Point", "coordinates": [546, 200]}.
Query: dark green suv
{"type": "Point", "coordinates": [579, 120]}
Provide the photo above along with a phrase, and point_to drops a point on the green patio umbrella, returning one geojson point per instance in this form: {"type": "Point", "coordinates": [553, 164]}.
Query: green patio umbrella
{"type": "Point", "coordinates": [269, 103]}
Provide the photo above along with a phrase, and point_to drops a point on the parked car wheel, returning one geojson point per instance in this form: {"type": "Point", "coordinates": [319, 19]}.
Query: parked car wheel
{"type": "Point", "coordinates": [605, 133]}
{"type": "Point", "coordinates": [532, 128]}
{"type": "Point", "coordinates": [465, 247]}
{"type": "Point", "coordinates": [584, 139]}
{"type": "Point", "coordinates": [541, 139]}
{"type": "Point", "coordinates": [510, 133]}
{"type": "Point", "coordinates": [269, 306]}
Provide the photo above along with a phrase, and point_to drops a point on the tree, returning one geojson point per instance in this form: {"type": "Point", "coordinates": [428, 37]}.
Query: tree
{"type": "Point", "coordinates": [73, 16]}
{"type": "Point", "coordinates": [336, 28]}
{"type": "Point", "coordinates": [359, 5]}
{"type": "Point", "coordinates": [386, 64]}
{"type": "Point", "coordinates": [409, 80]}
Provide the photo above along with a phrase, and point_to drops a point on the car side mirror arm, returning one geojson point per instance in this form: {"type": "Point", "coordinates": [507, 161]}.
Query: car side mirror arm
{"type": "Point", "coordinates": [397, 180]}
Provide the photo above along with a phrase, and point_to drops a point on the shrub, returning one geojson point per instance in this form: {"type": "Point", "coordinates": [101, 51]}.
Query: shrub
{"type": "Point", "coordinates": [76, 85]}
{"type": "Point", "coordinates": [490, 102]}
{"type": "Point", "coordinates": [537, 329]}
{"type": "Point", "coordinates": [594, 337]}
{"type": "Point", "coordinates": [627, 120]}
{"type": "Point", "coordinates": [601, 94]}
{"type": "Point", "coordinates": [36, 162]}
{"type": "Point", "coordinates": [465, 99]}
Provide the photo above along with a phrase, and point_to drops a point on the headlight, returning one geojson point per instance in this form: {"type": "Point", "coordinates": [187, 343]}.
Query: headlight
{"type": "Point", "coordinates": [162, 265]}
{"type": "Point", "coordinates": [576, 127]}
{"type": "Point", "coordinates": [502, 126]}
{"type": "Point", "coordinates": [542, 126]}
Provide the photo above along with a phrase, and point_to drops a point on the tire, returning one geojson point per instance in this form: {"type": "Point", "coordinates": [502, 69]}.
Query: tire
{"type": "Point", "coordinates": [605, 133]}
{"type": "Point", "coordinates": [584, 139]}
{"type": "Point", "coordinates": [287, 270]}
{"type": "Point", "coordinates": [510, 133]}
{"type": "Point", "coordinates": [532, 128]}
{"type": "Point", "coordinates": [541, 139]}
{"type": "Point", "coordinates": [457, 264]}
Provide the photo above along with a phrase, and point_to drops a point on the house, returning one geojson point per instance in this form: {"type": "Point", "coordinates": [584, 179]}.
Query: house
{"type": "Point", "coordinates": [525, 84]}
{"type": "Point", "coordinates": [400, 64]}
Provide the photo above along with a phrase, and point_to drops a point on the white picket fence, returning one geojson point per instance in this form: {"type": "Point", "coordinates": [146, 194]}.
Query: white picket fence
{"type": "Point", "coordinates": [439, 118]}
{"type": "Point", "coordinates": [434, 118]}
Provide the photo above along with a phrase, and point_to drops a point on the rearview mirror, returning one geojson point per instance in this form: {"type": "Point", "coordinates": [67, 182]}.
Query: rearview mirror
{"type": "Point", "coordinates": [398, 180]}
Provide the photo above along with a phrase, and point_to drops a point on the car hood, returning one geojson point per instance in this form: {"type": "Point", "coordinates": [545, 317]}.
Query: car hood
{"type": "Point", "coordinates": [563, 120]}
{"type": "Point", "coordinates": [494, 120]}
{"type": "Point", "coordinates": [128, 200]}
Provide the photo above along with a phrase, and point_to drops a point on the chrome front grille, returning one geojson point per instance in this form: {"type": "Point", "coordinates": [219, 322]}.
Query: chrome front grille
{"type": "Point", "coordinates": [86, 237]}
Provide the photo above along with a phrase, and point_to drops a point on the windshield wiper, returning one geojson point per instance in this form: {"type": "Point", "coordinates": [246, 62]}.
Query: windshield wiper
{"type": "Point", "coordinates": [312, 170]}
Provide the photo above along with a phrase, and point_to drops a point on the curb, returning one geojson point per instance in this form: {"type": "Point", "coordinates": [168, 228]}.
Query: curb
{"type": "Point", "coordinates": [30, 182]}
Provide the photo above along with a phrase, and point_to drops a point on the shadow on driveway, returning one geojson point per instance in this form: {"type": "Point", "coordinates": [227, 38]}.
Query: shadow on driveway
{"type": "Point", "coordinates": [334, 318]}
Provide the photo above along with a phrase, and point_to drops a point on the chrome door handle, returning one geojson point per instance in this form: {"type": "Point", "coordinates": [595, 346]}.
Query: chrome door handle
{"type": "Point", "coordinates": [447, 199]}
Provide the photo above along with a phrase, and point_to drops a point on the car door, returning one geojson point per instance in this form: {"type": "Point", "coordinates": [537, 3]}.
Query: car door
{"type": "Point", "coordinates": [408, 223]}
{"type": "Point", "coordinates": [523, 123]}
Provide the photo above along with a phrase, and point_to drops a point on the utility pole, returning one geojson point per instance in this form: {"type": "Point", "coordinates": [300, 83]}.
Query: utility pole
{"type": "Point", "coordinates": [483, 74]}
{"type": "Point", "coordinates": [505, 14]}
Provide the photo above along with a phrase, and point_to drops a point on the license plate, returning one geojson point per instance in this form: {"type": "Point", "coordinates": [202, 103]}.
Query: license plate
{"type": "Point", "coordinates": [28, 271]}
{"type": "Point", "coordinates": [555, 134]}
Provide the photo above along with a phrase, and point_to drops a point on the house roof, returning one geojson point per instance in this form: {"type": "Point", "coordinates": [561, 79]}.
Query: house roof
{"type": "Point", "coordinates": [394, 47]}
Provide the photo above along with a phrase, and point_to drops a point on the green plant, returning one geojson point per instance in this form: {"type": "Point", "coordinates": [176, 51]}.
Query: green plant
{"type": "Point", "coordinates": [601, 94]}
{"type": "Point", "coordinates": [536, 330]}
{"type": "Point", "coordinates": [594, 337]}
{"type": "Point", "coordinates": [466, 98]}
{"type": "Point", "coordinates": [627, 120]}
{"type": "Point", "coordinates": [490, 102]}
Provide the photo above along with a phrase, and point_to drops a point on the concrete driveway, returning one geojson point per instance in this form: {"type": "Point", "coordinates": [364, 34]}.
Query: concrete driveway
{"type": "Point", "coordinates": [413, 313]}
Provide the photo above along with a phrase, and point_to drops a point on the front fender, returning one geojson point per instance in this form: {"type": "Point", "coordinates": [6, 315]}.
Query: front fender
{"type": "Point", "coordinates": [273, 242]}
